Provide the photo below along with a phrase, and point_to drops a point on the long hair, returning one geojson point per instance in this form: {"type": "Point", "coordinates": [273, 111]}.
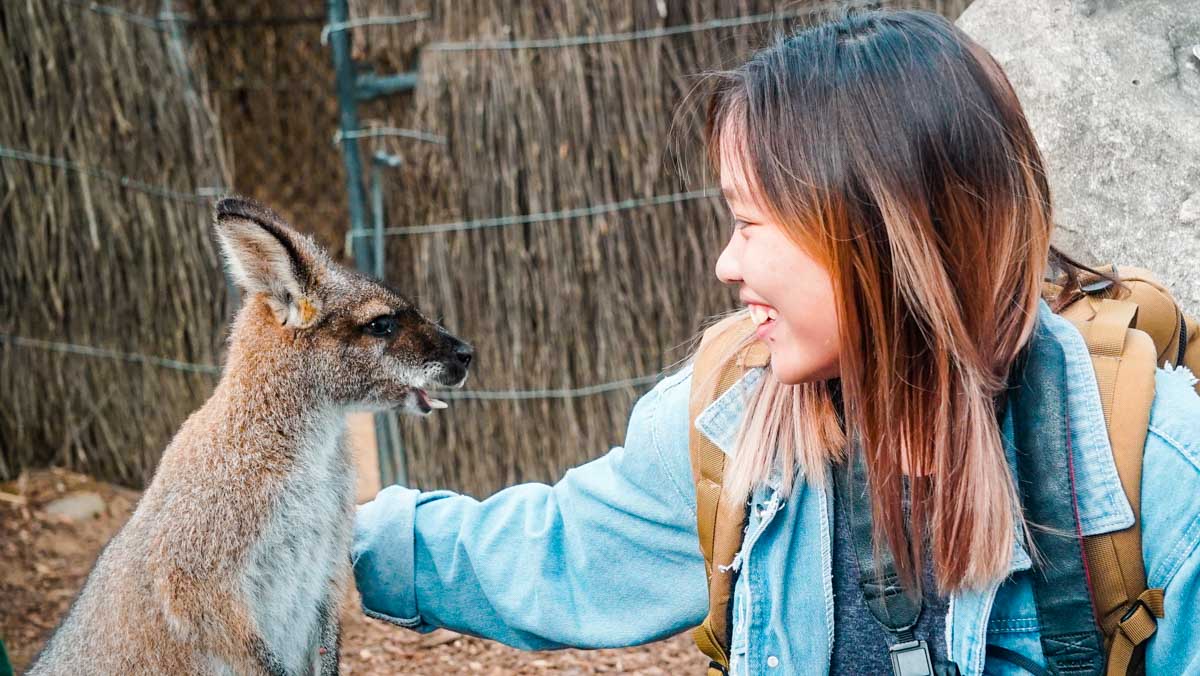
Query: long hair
{"type": "Point", "coordinates": [892, 147]}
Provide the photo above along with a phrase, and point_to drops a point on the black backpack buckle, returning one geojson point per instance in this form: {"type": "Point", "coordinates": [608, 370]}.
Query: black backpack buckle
{"type": "Point", "coordinates": [911, 658]}
{"type": "Point", "coordinates": [1101, 284]}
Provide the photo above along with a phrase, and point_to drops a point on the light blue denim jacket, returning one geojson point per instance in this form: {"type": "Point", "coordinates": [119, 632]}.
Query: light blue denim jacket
{"type": "Point", "coordinates": [609, 555]}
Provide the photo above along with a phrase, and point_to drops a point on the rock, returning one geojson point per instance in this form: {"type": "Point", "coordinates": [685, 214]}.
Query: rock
{"type": "Point", "coordinates": [1190, 211]}
{"type": "Point", "coordinates": [77, 506]}
{"type": "Point", "coordinates": [1112, 91]}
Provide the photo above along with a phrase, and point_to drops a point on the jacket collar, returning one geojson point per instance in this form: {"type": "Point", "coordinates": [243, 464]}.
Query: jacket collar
{"type": "Point", "coordinates": [1102, 504]}
{"type": "Point", "coordinates": [1103, 507]}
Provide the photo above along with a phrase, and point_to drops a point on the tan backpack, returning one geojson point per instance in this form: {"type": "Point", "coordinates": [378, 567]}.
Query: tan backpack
{"type": "Point", "coordinates": [1130, 327]}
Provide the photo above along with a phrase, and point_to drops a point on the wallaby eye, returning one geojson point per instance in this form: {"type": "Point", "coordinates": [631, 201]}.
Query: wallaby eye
{"type": "Point", "coordinates": [380, 327]}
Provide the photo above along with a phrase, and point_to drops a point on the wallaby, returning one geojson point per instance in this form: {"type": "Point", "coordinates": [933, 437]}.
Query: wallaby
{"type": "Point", "coordinates": [237, 555]}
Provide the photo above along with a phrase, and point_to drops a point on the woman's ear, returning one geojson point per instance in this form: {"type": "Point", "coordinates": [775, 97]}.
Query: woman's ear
{"type": "Point", "coordinates": [266, 256]}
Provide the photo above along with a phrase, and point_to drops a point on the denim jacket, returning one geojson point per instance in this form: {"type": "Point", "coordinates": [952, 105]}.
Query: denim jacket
{"type": "Point", "coordinates": [609, 555]}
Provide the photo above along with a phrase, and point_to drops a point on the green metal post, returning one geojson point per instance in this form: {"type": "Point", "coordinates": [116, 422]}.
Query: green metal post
{"type": "Point", "coordinates": [343, 69]}
{"type": "Point", "coordinates": [365, 257]}
{"type": "Point", "coordinates": [377, 214]}
{"type": "Point", "coordinates": [370, 85]}
{"type": "Point", "coordinates": [393, 465]}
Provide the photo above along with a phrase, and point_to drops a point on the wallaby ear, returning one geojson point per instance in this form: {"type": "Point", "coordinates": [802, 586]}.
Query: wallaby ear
{"type": "Point", "coordinates": [267, 256]}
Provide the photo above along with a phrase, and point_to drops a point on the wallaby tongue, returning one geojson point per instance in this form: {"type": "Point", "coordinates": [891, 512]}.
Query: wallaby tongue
{"type": "Point", "coordinates": [427, 403]}
{"type": "Point", "coordinates": [423, 401]}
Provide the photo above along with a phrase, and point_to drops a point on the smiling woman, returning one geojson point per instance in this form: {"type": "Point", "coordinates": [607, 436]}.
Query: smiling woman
{"type": "Point", "coordinates": [870, 167]}
{"type": "Point", "coordinates": [847, 463]}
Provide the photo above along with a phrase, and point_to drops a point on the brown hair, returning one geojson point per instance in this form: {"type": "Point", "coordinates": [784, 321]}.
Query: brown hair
{"type": "Point", "coordinates": [892, 147]}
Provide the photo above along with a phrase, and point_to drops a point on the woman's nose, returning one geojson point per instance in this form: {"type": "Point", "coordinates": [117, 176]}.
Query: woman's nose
{"type": "Point", "coordinates": [728, 266]}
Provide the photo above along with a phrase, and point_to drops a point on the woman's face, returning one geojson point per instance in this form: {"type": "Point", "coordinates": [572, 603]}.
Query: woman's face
{"type": "Point", "coordinates": [789, 294]}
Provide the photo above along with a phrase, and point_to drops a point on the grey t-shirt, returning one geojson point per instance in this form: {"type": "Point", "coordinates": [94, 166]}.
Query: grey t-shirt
{"type": "Point", "coordinates": [860, 643]}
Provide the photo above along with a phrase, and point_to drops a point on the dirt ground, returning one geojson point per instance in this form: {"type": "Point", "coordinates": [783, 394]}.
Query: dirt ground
{"type": "Point", "coordinates": [45, 557]}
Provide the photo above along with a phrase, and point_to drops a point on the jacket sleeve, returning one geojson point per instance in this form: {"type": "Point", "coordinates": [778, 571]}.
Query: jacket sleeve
{"type": "Point", "coordinates": [606, 557]}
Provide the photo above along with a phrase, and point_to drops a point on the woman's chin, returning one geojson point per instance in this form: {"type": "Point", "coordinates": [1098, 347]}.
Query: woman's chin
{"type": "Point", "coordinates": [792, 371]}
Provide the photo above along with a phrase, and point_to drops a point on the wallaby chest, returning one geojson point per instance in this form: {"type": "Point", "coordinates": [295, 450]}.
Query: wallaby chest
{"type": "Point", "coordinates": [294, 569]}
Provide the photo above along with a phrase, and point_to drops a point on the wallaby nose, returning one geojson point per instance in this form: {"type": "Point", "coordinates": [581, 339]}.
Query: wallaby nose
{"type": "Point", "coordinates": [464, 354]}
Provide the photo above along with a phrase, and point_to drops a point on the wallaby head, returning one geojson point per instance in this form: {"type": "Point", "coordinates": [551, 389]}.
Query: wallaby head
{"type": "Point", "coordinates": [363, 344]}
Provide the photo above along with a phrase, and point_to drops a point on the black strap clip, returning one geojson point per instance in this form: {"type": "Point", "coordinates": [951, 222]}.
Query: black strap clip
{"type": "Point", "coordinates": [911, 658]}
{"type": "Point", "coordinates": [1101, 284]}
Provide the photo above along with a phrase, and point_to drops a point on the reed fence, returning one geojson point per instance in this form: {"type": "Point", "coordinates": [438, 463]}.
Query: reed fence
{"type": "Point", "coordinates": [113, 299]}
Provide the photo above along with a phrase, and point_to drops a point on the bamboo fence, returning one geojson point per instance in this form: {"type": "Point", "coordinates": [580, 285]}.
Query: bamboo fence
{"type": "Point", "coordinates": [112, 299]}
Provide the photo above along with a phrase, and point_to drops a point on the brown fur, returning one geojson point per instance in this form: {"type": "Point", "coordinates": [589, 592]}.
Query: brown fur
{"type": "Point", "coordinates": [236, 557]}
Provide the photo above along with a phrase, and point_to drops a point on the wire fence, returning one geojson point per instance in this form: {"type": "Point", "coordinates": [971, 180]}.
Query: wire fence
{"type": "Point", "coordinates": [627, 36]}
{"type": "Point", "coordinates": [102, 353]}
{"type": "Point", "coordinates": [154, 22]}
{"type": "Point", "coordinates": [201, 196]}
{"type": "Point", "coordinates": [370, 21]}
{"type": "Point", "coordinates": [271, 86]}
{"type": "Point", "coordinates": [560, 216]}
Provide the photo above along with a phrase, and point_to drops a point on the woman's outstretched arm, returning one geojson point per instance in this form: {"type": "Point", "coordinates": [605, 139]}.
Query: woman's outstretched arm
{"type": "Point", "coordinates": [606, 557]}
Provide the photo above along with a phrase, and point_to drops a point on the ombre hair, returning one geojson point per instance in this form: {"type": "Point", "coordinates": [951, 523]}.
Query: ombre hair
{"type": "Point", "coordinates": [892, 148]}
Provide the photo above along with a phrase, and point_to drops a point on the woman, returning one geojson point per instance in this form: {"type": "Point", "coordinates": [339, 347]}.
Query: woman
{"type": "Point", "coordinates": [891, 228]}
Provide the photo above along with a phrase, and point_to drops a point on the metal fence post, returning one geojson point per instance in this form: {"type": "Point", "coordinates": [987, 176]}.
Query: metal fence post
{"type": "Point", "coordinates": [393, 465]}
{"type": "Point", "coordinates": [343, 70]}
{"type": "Point", "coordinates": [387, 434]}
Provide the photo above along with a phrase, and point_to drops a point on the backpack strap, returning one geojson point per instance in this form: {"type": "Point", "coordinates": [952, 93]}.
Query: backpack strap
{"type": "Point", "coordinates": [1124, 360]}
{"type": "Point", "coordinates": [1041, 437]}
{"type": "Point", "coordinates": [720, 518]}
{"type": "Point", "coordinates": [896, 609]}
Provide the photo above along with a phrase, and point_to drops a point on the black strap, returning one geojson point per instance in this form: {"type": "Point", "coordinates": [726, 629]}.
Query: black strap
{"type": "Point", "coordinates": [893, 607]}
{"type": "Point", "coordinates": [1183, 339]}
{"type": "Point", "coordinates": [1015, 658]}
{"type": "Point", "coordinates": [1070, 638]}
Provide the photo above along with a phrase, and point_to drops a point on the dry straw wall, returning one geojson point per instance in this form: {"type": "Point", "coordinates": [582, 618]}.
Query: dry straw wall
{"type": "Point", "coordinates": [567, 302]}
{"type": "Point", "coordinates": [104, 238]}
{"type": "Point", "coordinates": [271, 85]}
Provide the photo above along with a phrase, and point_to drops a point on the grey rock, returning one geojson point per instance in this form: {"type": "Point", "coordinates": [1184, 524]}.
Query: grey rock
{"type": "Point", "coordinates": [1112, 91]}
{"type": "Point", "coordinates": [1190, 211]}
{"type": "Point", "coordinates": [77, 506]}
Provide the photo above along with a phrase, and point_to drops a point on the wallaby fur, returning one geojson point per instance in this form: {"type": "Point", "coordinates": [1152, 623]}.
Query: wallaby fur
{"type": "Point", "coordinates": [237, 556]}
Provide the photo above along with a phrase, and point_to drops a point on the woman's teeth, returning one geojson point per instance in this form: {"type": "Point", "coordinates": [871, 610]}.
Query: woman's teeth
{"type": "Point", "coordinates": [761, 314]}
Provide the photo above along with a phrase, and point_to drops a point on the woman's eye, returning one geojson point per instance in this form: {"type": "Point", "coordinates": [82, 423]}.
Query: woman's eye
{"type": "Point", "coordinates": [380, 327]}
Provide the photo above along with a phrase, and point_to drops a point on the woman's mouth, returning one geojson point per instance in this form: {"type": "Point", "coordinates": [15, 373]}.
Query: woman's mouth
{"type": "Point", "coordinates": [763, 317]}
